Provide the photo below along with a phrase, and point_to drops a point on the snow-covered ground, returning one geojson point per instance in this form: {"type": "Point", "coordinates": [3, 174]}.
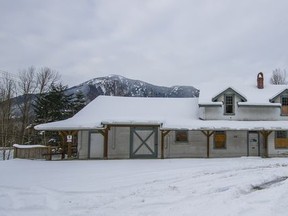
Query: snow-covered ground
{"type": "Point", "coordinates": [234, 186]}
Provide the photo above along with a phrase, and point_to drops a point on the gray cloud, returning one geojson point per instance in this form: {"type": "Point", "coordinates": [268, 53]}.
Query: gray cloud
{"type": "Point", "coordinates": [165, 42]}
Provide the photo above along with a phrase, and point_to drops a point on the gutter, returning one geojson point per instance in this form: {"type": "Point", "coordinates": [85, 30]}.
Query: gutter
{"type": "Point", "coordinates": [210, 104]}
{"type": "Point", "coordinates": [259, 104]}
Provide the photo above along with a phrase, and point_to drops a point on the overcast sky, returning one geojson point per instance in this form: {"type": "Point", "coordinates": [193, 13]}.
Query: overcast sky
{"type": "Point", "coordinates": [164, 42]}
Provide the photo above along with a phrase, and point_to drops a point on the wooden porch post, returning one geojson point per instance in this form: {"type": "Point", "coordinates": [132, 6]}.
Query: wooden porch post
{"type": "Point", "coordinates": [106, 143]}
{"type": "Point", "coordinates": [163, 134]}
{"type": "Point", "coordinates": [265, 135]}
{"type": "Point", "coordinates": [104, 132]}
{"type": "Point", "coordinates": [208, 134]}
{"type": "Point", "coordinates": [49, 153]}
{"type": "Point", "coordinates": [15, 155]}
{"type": "Point", "coordinates": [64, 134]}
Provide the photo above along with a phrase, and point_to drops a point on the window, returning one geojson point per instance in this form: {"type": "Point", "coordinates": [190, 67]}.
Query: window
{"type": "Point", "coordinates": [284, 103]}
{"type": "Point", "coordinates": [219, 139]}
{"type": "Point", "coordinates": [181, 136]}
{"type": "Point", "coordinates": [281, 134]}
{"type": "Point", "coordinates": [229, 104]}
{"type": "Point", "coordinates": [281, 139]}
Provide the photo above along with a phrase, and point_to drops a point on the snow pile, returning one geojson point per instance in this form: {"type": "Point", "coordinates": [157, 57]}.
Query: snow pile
{"type": "Point", "coordinates": [236, 186]}
{"type": "Point", "coordinates": [28, 146]}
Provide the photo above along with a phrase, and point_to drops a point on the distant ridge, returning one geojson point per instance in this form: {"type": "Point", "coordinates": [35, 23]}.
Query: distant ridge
{"type": "Point", "coordinates": [115, 85]}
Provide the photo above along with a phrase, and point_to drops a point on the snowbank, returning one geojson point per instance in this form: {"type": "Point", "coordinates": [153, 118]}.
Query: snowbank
{"type": "Point", "coordinates": [28, 146]}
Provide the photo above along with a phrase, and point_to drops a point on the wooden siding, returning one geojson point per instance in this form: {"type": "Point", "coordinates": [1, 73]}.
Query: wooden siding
{"type": "Point", "coordinates": [194, 148]}
{"type": "Point", "coordinates": [31, 153]}
{"type": "Point", "coordinates": [236, 145]}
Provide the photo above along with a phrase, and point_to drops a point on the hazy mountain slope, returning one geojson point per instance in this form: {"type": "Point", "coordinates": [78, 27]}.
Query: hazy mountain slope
{"type": "Point", "coordinates": [115, 85]}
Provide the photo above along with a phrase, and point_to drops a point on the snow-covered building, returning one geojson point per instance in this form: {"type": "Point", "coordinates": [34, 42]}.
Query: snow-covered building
{"type": "Point", "coordinates": [231, 121]}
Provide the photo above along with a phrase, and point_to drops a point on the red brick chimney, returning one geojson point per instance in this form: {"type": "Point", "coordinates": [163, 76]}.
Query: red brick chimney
{"type": "Point", "coordinates": [260, 81]}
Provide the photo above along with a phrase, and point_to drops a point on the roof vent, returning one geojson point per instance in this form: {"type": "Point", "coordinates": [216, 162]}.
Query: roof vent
{"type": "Point", "coordinates": [260, 81]}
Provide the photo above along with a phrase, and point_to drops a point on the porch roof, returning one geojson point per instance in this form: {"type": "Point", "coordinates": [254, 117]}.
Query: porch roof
{"type": "Point", "coordinates": [227, 125]}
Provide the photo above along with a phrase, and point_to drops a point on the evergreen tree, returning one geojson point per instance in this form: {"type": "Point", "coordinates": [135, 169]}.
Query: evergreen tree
{"type": "Point", "coordinates": [54, 105]}
{"type": "Point", "coordinates": [79, 102]}
{"type": "Point", "coordinates": [41, 108]}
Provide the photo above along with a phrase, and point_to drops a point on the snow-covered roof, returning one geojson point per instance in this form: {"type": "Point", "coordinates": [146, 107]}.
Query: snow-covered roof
{"type": "Point", "coordinates": [169, 113]}
{"type": "Point", "coordinates": [228, 125]}
{"type": "Point", "coordinates": [250, 92]}
{"type": "Point", "coordinates": [128, 110]}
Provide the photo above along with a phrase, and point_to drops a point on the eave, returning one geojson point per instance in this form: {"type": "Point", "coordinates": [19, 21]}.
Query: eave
{"type": "Point", "coordinates": [219, 104]}
{"type": "Point", "coordinates": [245, 104]}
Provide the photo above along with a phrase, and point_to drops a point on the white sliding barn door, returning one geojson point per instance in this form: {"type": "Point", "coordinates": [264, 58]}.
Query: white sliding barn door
{"type": "Point", "coordinates": [96, 146]}
{"type": "Point", "coordinates": [253, 143]}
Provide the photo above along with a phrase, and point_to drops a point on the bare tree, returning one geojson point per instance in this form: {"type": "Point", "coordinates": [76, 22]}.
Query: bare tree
{"type": "Point", "coordinates": [278, 77]}
{"type": "Point", "coordinates": [32, 81]}
{"type": "Point", "coordinates": [7, 124]}
{"type": "Point", "coordinates": [16, 122]}
{"type": "Point", "coordinates": [46, 77]}
{"type": "Point", "coordinates": [26, 88]}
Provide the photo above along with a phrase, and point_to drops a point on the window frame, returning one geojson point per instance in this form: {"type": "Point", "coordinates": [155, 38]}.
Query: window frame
{"type": "Point", "coordinates": [215, 146]}
{"type": "Point", "coordinates": [285, 96]}
{"type": "Point", "coordinates": [232, 104]}
{"type": "Point", "coordinates": [281, 141]}
{"type": "Point", "coordinates": [178, 134]}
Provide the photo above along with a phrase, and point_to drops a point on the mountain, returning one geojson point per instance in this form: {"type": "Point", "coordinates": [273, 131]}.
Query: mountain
{"type": "Point", "coordinates": [115, 85]}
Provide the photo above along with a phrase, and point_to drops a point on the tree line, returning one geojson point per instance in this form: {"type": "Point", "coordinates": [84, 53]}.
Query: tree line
{"type": "Point", "coordinates": [34, 96]}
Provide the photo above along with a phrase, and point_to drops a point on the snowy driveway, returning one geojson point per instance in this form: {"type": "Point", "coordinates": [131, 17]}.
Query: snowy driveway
{"type": "Point", "coordinates": [235, 186]}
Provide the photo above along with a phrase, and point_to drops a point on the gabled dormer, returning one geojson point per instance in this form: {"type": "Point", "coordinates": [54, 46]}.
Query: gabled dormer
{"type": "Point", "coordinates": [229, 98]}
{"type": "Point", "coordinates": [244, 101]}
{"type": "Point", "coordinates": [281, 98]}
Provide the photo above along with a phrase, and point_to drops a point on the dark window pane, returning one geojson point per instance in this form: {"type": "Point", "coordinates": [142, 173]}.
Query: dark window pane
{"type": "Point", "coordinates": [285, 101]}
{"type": "Point", "coordinates": [229, 104]}
{"type": "Point", "coordinates": [281, 134]}
{"type": "Point", "coordinates": [181, 136]}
